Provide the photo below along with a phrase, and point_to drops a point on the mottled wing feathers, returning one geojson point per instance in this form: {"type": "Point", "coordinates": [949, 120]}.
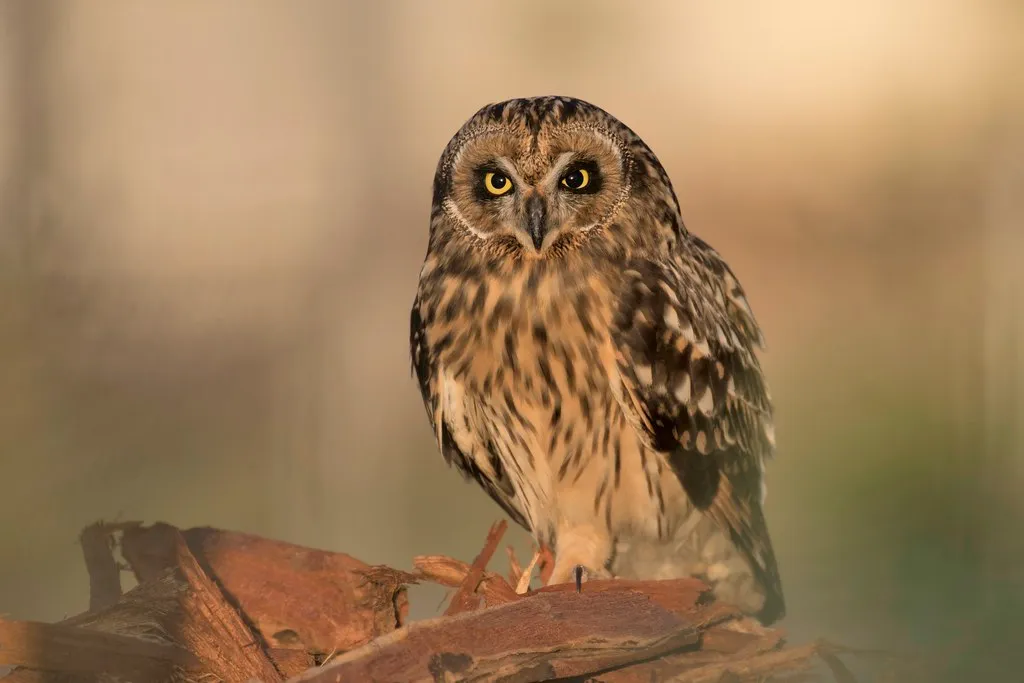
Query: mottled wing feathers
{"type": "Point", "coordinates": [737, 306]}
{"type": "Point", "coordinates": [692, 386]}
{"type": "Point", "coordinates": [425, 366]}
{"type": "Point", "coordinates": [688, 363]}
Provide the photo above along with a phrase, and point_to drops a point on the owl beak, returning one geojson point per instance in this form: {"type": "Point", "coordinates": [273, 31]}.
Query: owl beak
{"type": "Point", "coordinates": [536, 219]}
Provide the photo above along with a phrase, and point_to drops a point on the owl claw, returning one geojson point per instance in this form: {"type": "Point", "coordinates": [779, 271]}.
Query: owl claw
{"type": "Point", "coordinates": [579, 571]}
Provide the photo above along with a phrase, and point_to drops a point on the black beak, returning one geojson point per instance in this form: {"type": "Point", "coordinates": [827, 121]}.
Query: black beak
{"type": "Point", "coordinates": [536, 219]}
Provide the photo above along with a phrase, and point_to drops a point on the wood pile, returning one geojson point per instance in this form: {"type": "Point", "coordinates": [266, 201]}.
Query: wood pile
{"type": "Point", "coordinates": [213, 605]}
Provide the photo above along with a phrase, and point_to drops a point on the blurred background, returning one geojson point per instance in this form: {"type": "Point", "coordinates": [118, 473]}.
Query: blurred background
{"type": "Point", "coordinates": [212, 218]}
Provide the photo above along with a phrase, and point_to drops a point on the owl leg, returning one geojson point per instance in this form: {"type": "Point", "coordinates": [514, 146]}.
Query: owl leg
{"type": "Point", "coordinates": [581, 552]}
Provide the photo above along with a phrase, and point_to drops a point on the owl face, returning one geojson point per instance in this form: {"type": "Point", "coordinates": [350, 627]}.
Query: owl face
{"type": "Point", "coordinates": [508, 187]}
{"type": "Point", "coordinates": [538, 178]}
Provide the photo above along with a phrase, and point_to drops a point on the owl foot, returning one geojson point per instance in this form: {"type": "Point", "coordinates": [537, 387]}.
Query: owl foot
{"type": "Point", "coordinates": [581, 554]}
{"type": "Point", "coordinates": [582, 574]}
{"type": "Point", "coordinates": [578, 574]}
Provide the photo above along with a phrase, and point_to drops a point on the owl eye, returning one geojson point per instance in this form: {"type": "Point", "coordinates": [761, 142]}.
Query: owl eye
{"type": "Point", "coordinates": [497, 183]}
{"type": "Point", "coordinates": [577, 179]}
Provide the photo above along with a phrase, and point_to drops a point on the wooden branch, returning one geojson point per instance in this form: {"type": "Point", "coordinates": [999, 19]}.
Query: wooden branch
{"type": "Point", "coordinates": [545, 636]}
{"type": "Point", "coordinates": [466, 599]}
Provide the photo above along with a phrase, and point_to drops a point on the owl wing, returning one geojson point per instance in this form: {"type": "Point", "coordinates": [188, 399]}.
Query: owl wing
{"type": "Point", "coordinates": [692, 386]}
{"type": "Point", "coordinates": [486, 468]}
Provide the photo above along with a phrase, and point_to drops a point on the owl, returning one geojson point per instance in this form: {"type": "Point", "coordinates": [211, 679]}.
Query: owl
{"type": "Point", "coordinates": [588, 360]}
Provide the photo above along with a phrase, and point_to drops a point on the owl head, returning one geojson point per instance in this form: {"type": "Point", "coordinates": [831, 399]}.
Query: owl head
{"type": "Point", "coordinates": [540, 178]}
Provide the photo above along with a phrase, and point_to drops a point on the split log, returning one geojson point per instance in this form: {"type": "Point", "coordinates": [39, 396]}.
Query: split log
{"type": "Point", "coordinates": [294, 596]}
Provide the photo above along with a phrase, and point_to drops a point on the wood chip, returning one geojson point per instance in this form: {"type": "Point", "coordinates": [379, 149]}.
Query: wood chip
{"type": "Point", "coordinates": [466, 598]}
{"type": "Point", "coordinates": [448, 571]}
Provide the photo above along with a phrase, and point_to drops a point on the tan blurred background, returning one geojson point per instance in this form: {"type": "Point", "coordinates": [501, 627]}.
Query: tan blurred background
{"type": "Point", "coordinates": [213, 214]}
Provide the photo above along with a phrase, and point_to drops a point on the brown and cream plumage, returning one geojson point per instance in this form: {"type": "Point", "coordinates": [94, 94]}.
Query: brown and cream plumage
{"type": "Point", "coordinates": [589, 361]}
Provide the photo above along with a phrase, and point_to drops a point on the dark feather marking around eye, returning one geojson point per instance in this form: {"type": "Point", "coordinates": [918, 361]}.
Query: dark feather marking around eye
{"type": "Point", "coordinates": [480, 191]}
{"type": "Point", "coordinates": [591, 167]}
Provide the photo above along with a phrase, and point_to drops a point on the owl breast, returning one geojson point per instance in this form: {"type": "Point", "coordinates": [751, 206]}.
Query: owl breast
{"type": "Point", "coordinates": [529, 394]}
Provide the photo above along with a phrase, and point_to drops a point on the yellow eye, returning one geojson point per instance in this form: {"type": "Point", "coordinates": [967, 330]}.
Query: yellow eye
{"type": "Point", "coordinates": [497, 183]}
{"type": "Point", "coordinates": [576, 179]}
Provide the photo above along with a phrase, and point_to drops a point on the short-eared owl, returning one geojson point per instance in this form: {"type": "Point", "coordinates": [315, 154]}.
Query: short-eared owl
{"type": "Point", "coordinates": [589, 361]}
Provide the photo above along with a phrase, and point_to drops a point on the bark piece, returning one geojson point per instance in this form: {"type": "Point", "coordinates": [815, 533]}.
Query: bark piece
{"type": "Point", "coordinates": [466, 598]}
{"type": "Point", "coordinates": [215, 631]}
{"type": "Point", "coordinates": [294, 596]}
{"type": "Point", "coordinates": [544, 636]}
